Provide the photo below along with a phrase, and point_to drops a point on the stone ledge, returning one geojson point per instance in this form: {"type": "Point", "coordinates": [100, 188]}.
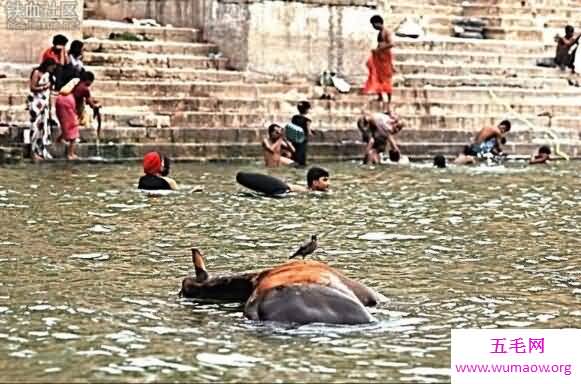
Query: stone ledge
{"type": "Point", "coordinates": [324, 3]}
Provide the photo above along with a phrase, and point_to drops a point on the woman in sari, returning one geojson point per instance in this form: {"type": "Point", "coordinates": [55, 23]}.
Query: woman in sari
{"type": "Point", "coordinates": [39, 109]}
{"type": "Point", "coordinates": [380, 65]}
{"type": "Point", "coordinates": [71, 110]}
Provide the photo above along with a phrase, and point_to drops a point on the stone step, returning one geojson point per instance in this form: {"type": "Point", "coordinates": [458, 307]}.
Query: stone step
{"type": "Point", "coordinates": [255, 135]}
{"type": "Point", "coordinates": [514, 33]}
{"type": "Point", "coordinates": [421, 79]}
{"type": "Point", "coordinates": [469, 122]}
{"type": "Point", "coordinates": [452, 44]}
{"type": "Point", "coordinates": [454, 58]}
{"type": "Point", "coordinates": [148, 60]}
{"type": "Point", "coordinates": [190, 88]}
{"type": "Point", "coordinates": [525, 72]}
{"type": "Point", "coordinates": [121, 117]}
{"type": "Point", "coordinates": [352, 104]}
{"type": "Point", "coordinates": [103, 28]}
{"type": "Point", "coordinates": [166, 47]}
{"type": "Point", "coordinates": [244, 151]}
{"type": "Point", "coordinates": [483, 9]}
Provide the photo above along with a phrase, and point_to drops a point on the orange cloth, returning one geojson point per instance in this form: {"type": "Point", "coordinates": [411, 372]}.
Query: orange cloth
{"type": "Point", "coordinates": [380, 70]}
{"type": "Point", "coordinates": [152, 164]}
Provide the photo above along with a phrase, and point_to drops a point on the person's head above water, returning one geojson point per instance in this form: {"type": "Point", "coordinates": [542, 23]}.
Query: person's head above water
{"type": "Point", "coordinates": [152, 164]}
{"type": "Point", "coordinates": [569, 31]}
{"type": "Point", "coordinates": [394, 156]}
{"type": "Point", "coordinates": [318, 179]}
{"type": "Point", "coordinates": [440, 161]}
{"type": "Point", "coordinates": [377, 22]}
{"type": "Point", "coordinates": [544, 150]}
{"type": "Point", "coordinates": [274, 131]}
{"type": "Point", "coordinates": [504, 126]}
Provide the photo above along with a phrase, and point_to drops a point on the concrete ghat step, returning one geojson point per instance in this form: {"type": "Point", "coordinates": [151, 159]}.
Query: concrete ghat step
{"type": "Point", "coordinates": [190, 88]}
{"type": "Point", "coordinates": [483, 9]}
{"type": "Point", "coordinates": [426, 121]}
{"type": "Point", "coordinates": [330, 135]}
{"type": "Point", "coordinates": [455, 58]}
{"type": "Point", "coordinates": [176, 74]}
{"type": "Point", "coordinates": [229, 151]}
{"type": "Point", "coordinates": [140, 118]}
{"type": "Point", "coordinates": [280, 105]}
{"type": "Point", "coordinates": [452, 44]}
{"type": "Point", "coordinates": [422, 79]}
{"type": "Point", "coordinates": [156, 47]}
{"type": "Point", "coordinates": [166, 67]}
{"type": "Point", "coordinates": [140, 60]}
{"type": "Point", "coordinates": [103, 28]}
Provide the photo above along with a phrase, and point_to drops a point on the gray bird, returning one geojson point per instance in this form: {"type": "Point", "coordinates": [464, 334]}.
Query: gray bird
{"type": "Point", "coordinates": [307, 248]}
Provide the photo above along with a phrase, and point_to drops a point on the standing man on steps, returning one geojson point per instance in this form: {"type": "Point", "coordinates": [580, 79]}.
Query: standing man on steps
{"type": "Point", "coordinates": [380, 65]}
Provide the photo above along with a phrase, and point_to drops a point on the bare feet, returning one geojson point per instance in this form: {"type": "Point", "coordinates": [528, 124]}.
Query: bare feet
{"type": "Point", "coordinates": [73, 157]}
{"type": "Point", "coordinates": [36, 157]}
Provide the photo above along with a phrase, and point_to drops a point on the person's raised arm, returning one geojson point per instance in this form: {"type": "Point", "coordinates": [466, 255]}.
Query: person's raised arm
{"type": "Point", "coordinates": [288, 145]}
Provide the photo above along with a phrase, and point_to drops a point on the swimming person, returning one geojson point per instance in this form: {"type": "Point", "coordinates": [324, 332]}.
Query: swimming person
{"type": "Point", "coordinates": [439, 161]}
{"type": "Point", "coordinates": [317, 180]}
{"type": "Point", "coordinates": [273, 145]}
{"type": "Point", "coordinates": [488, 140]}
{"type": "Point", "coordinates": [156, 171]}
{"type": "Point", "coordinates": [542, 156]}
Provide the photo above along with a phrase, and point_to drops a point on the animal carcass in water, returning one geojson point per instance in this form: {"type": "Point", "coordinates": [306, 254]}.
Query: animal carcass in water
{"type": "Point", "coordinates": [296, 292]}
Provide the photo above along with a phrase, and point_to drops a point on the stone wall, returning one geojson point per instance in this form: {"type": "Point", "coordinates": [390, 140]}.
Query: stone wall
{"type": "Point", "coordinates": [26, 28]}
{"type": "Point", "coordinates": [292, 37]}
{"type": "Point", "coordinates": [178, 13]}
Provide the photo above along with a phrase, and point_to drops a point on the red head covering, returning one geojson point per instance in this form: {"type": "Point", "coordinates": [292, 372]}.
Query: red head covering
{"type": "Point", "coordinates": [152, 163]}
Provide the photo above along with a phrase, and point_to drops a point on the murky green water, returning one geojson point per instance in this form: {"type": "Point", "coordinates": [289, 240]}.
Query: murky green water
{"type": "Point", "coordinates": [90, 269]}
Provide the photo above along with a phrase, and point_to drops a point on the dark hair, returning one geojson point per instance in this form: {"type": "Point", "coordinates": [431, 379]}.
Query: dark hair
{"type": "Point", "coordinates": [166, 165]}
{"type": "Point", "coordinates": [303, 107]}
{"type": "Point", "coordinates": [43, 67]}
{"type": "Point", "coordinates": [569, 29]}
{"type": "Point", "coordinates": [59, 40]}
{"type": "Point", "coordinates": [394, 156]}
{"type": "Point", "coordinates": [544, 149]}
{"type": "Point", "coordinates": [440, 161]}
{"type": "Point", "coordinates": [76, 48]}
{"type": "Point", "coordinates": [376, 19]}
{"type": "Point", "coordinates": [467, 151]}
{"type": "Point", "coordinates": [506, 123]}
{"type": "Point", "coordinates": [272, 127]}
{"type": "Point", "coordinates": [315, 173]}
{"type": "Point", "coordinates": [87, 76]}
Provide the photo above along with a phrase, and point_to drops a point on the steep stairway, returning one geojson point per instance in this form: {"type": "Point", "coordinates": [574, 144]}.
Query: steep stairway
{"type": "Point", "coordinates": [169, 90]}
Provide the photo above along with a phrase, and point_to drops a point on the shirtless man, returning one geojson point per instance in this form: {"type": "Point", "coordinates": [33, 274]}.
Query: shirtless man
{"type": "Point", "coordinates": [380, 64]}
{"type": "Point", "coordinates": [378, 130]}
{"type": "Point", "coordinates": [562, 57]}
{"type": "Point", "coordinates": [488, 140]}
{"type": "Point", "coordinates": [317, 181]}
{"type": "Point", "coordinates": [272, 146]}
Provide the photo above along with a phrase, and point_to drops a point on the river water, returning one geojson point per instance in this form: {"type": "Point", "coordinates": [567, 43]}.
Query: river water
{"type": "Point", "coordinates": [90, 269]}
